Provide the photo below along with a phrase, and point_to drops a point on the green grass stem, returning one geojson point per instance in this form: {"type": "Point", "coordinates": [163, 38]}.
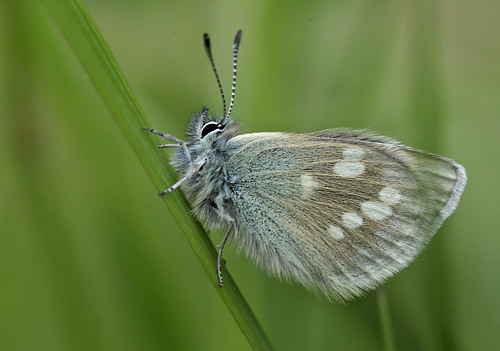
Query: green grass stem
{"type": "Point", "coordinates": [385, 320]}
{"type": "Point", "coordinates": [89, 46]}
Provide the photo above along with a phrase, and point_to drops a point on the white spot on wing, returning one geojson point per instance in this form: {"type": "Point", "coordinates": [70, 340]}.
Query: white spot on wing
{"type": "Point", "coordinates": [352, 220]}
{"type": "Point", "coordinates": [308, 185]}
{"type": "Point", "coordinates": [407, 229]}
{"type": "Point", "coordinates": [349, 169]}
{"type": "Point", "coordinates": [353, 153]}
{"type": "Point", "coordinates": [376, 210]}
{"type": "Point", "coordinates": [390, 195]}
{"type": "Point", "coordinates": [336, 232]}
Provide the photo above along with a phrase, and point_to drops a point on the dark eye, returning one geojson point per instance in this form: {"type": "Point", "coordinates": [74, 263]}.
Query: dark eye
{"type": "Point", "coordinates": [209, 127]}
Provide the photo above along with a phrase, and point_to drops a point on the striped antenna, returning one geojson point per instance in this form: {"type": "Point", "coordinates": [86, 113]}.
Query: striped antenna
{"type": "Point", "coordinates": [236, 46]}
{"type": "Point", "coordinates": [208, 49]}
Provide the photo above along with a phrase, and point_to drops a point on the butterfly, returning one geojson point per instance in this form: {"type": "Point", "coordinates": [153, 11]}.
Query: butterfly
{"type": "Point", "coordinates": [338, 211]}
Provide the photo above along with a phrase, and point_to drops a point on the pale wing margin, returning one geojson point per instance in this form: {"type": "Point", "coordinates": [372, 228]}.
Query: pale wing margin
{"type": "Point", "coordinates": [340, 211]}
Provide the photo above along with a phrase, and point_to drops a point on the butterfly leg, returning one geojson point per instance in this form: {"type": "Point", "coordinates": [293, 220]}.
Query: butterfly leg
{"type": "Point", "coordinates": [167, 145]}
{"type": "Point", "coordinates": [184, 149]}
{"type": "Point", "coordinates": [186, 153]}
{"type": "Point", "coordinates": [164, 136]}
{"type": "Point", "coordinates": [188, 175]}
{"type": "Point", "coordinates": [219, 256]}
{"type": "Point", "coordinates": [180, 142]}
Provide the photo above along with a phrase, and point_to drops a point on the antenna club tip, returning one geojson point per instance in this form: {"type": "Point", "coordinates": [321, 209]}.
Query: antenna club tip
{"type": "Point", "coordinates": [237, 38]}
{"type": "Point", "coordinates": [206, 40]}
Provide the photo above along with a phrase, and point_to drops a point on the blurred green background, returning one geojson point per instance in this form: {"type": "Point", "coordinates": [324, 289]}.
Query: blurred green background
{"type": "Point", "coordinates": [91, 260]}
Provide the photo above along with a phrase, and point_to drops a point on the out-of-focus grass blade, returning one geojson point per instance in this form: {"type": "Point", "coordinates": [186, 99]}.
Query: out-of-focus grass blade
{"type": "Point", "coordinates": [92, 51]}
{"type": "Point", "coordinates": [427, 96]}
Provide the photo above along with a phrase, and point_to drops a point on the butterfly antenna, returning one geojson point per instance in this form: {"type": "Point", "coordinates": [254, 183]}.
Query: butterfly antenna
{"type": "Point", "coordinates": [236, 46]}
{"type": "Point", "coordinates": [208, 49]}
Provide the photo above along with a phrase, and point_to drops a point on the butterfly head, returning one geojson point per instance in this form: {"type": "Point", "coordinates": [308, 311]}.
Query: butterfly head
{"type": "Point", "coordinates": [207, 129]}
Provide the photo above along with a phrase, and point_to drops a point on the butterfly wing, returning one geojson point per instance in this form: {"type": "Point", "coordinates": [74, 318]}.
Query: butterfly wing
{"type": "Point", "coordinates": [339, 211]}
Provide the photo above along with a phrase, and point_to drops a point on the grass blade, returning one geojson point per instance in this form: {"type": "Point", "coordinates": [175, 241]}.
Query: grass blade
{"type": "Point", "coordinates": [95, 56]}
{"type": "Point", "coordinates": [385, 320]}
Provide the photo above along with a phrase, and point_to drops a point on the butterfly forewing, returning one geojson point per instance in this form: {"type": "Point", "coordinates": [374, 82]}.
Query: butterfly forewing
{"type": "Point", "coordinates": [340, 211]}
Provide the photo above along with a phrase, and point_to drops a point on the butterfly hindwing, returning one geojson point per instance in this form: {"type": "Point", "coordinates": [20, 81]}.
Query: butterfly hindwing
{"type": "Point", "coordinates": [339, 211]}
